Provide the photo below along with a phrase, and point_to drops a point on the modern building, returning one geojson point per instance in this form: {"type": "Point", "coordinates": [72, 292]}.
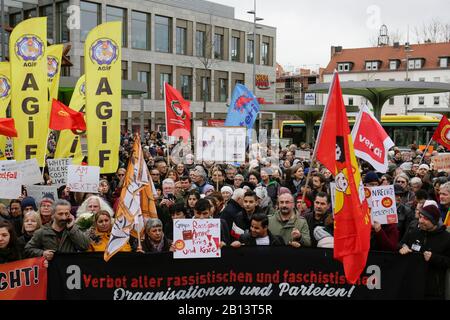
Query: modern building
{"type": "Point", "coordinates": [292, 88]}
{"type": "Point", "coordinates": [428, 62]}
{"type": "Point", "coordinates": [168, 40]}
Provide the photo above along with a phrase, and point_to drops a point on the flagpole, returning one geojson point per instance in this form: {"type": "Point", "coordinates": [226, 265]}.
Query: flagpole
{"type": "Point", "coordinates": [45, 153]}
{"type": "Point", "coordinates": [425, 151]}
{"type": "Point", "coordinates": [167, 127]}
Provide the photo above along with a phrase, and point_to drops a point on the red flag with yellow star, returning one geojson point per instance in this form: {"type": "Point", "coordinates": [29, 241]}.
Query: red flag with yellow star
{"type": "Point", "coordinates": [334, 149]}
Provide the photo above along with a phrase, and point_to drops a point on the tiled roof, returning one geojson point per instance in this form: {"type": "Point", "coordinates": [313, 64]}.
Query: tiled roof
{"type": "Point", "coordinates": [431, 52]}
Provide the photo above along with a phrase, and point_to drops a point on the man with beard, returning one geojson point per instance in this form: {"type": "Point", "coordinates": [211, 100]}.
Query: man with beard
{"type": "Point", "coordinates": [61, 235]}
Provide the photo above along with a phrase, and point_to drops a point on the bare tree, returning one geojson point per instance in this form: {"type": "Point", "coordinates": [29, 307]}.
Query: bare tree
{"type": "Point", "coordinates": [434, 31]}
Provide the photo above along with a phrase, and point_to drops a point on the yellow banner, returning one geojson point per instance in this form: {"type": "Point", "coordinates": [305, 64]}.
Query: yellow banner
{"type": "Point", "coordinates": [29, 103]}
{"type": "Point", "coordinates": [69, 144]}
{"type": "Point", "coordinates": [5, 98]}
{"type": "Point", "coordinates": [102, 65]}
{"type": "Point", "coordinates": [54, 60]}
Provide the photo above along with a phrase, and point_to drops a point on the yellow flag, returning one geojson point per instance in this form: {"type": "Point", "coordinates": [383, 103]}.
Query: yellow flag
{"type": "Point", "coordinates": [5, 98]}
{"type": "Point", "coordinates": [29, 102]}
{"type": "Point", "coordinates": [69, 145]}
{"type": "Point", "coordinates": [54, 59]}
{"type": "Point", "coordinates": [102, 64]}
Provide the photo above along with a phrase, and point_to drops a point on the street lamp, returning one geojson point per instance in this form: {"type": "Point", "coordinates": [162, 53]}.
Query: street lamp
{"type": "Point", "coordinates": [255, 19]}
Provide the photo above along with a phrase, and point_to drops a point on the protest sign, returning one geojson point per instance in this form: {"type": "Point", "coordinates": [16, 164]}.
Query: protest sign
{"type": "Point", "coordinates": [302, 154]}
{"type": "Point", "coordinates": [196, 238]}
{"type": "Point", "coordinates": [384, 208]}
{"type": "Point", "coordinates": [10, 184]}
{"type": "Point", "coordinates": [441, 162]}
{"type": "Point", "coordinates": [83, 178]}
{"type": "Point", "coordinates": [57, 169]}
{"type": "Point", "coordinates": [31, 174]}
{"type": "Point", "coordinates": [38, 192]}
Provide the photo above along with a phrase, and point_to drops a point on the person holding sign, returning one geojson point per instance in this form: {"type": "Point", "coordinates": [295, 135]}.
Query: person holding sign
{"type": "Point", "coordinates": [202, 210]}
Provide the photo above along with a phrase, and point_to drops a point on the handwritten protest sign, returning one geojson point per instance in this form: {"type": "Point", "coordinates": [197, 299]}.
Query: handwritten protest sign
{"type": "Point", "coordinates": [384, 208]}
{"type": "Point", "coordinates": [29, 169]}
{"type": "Point", "coordinates": [57, 169]}
{"type": "Point", "coordinates": [38, 192]}
{"type": "Point", "coordinates": [10, 184]}
{"type": "Point", "coordinates": [83, 178]}
{"type": "Point", "coordinates": [441, 162]}
{"type": "Point", "coordinates": [196, 238]}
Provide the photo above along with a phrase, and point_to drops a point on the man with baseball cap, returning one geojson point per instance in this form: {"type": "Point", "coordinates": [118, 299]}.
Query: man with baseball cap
{"type": "Point", "coordinates": [432, 241]}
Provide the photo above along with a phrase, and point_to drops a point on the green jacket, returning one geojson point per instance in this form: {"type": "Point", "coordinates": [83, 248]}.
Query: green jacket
{"type": "Point", "coordinates": [72, 240]}
{"type": "Point", "coordinates": [284, 229]}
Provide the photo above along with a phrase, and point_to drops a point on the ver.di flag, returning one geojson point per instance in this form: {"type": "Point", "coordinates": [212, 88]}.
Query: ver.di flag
{"type": "Point", "coordinates": [69, 143]}
{"type": "Point", "coordinates": [442, 133]}
{"type": "Point", "coordinates": [5, 98]}
{"type": "Point", "coordinates": [178, 114]}
{"type": "Point", "coordinates": [371, 142]}
{"type": "Point", "coordinates": [29, 99]}
{"type": "Point", "coordinates": [334, 149]}
{"type": "Point", "coordinates": [243, 110]}
{"type": "Point", "coordinates": [102, 65]}
{"type": "Point", "coordinates": [136, 202]}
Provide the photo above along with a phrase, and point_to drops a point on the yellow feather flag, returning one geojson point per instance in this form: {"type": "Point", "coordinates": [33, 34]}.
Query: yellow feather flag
{"type": "Point", "coordinates": [69, 144]}
{"type": "Point", "coordinates": [54, 60]}
{"type": "Point", "coordinates": [29, 101]}
{"type": "Point", "coordinates": [5, 98]}
{"type": "Point", "coordinates": [136, 203]}
{"type": "Point", "coordinates": [102, 65]}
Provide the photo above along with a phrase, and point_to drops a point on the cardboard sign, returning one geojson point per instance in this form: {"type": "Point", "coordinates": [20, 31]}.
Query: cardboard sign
{"type": "Point", "coordinates": [384, 208]}
{"type": "Point", "coordinates": [10, 184]}
{"type": "Point", "coordinates": [196, 238]}
{"type": "Point", "coordinates": [302, 154]}
{"type": "Point", "coordinates": [38, 192]}
{"type": "Point", "coordinates": [29, 169]}
{"type": "Point", "coordinates": [57, 169]}
{"type": "Point", "coordinates": [441, 162]}
{"type": "Point", "coordinates": [83, 178]}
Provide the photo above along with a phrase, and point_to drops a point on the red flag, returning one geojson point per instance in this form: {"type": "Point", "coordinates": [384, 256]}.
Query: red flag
{"type": "Point", "coordinates": [7, 127]}
{"type": "Point", "coordinates": [178, 114]}
{"type": "Point", "coordinates": [442, 133]}
{"type": "Point", "coordinates": [371, 142]}
{"type": "Point", "coordinates": [62, 118]}
{"type": "Point", "coordinates": [334, 149]}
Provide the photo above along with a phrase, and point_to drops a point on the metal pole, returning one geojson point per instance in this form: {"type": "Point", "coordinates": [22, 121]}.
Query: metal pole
{"type": "Point", "coordinates": [2, 21]}
{"type": "Point", "coordinates": [254, 47]}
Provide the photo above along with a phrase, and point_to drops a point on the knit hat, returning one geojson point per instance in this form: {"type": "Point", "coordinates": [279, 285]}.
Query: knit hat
{"type": "Point", "coordinates": [48, 197]}
{"type": "Point", "coordinates": [371, 176]}
{"type": "Point", "coordinates": [207, 188]}
{"type": "Point", "coordinates": [432, 213]}
{"type": "Point", "coordinates": [226, 189]}
{"type": "Point", "coordinates": [28, 201]}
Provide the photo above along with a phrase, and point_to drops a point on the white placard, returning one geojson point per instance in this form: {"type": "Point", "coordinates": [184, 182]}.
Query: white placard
{"type": "Point", "coordinates": [220, 144]}
{"type": "Point", "coordinates": [10, 184]}
{"type": "Point", "coordinates": [29, 169]}
{"type": "Point", "coordinates": [303, 154]}
{"type": "Point", "coordinates": [310, 99]}
{"type": "Point", "coordinates": [384, 208]}
{"type": "Point", "coordinates": [83, 178]}
{"type": "Point", "coordinates": [38, 192]}
{"type": "Point", "coordinates": [196, 238]}
{"type": "Point", "coordinates": [57, 169]}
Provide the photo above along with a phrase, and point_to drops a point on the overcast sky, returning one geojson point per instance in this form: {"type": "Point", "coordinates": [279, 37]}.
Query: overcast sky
{"type": "Point", "coordinates": [306, 29]}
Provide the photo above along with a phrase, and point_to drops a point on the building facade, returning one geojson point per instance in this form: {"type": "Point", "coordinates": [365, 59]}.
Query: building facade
{"type": "Point", "coordinates": [428, 62]}
{"type": "Point", "coordinates": [197, 46]}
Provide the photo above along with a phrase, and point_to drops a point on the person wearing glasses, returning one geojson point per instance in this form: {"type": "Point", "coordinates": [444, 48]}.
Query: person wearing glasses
{"type": "Point", "coordinates": [408, 197]}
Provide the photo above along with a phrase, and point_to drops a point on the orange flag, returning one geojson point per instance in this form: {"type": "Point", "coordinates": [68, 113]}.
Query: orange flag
{"type": "Point", "coordinates": [334, 149]}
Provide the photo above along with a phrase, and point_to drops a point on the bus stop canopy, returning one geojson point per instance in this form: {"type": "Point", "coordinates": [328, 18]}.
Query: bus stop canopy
{"type": "Point", "coordinates": [309, 114]}
{"type": "Point", "coordinates": [378, 92]}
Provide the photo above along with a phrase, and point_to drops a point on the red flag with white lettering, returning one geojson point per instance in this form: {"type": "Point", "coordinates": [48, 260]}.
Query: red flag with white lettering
{"type": "Point", "coordinates": [370, 141]}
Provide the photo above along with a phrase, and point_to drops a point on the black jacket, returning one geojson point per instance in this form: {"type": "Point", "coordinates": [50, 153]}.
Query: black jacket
{"type": "Point", "coordinates": [242, 220]}
{"type": "Point", "coordinates": [405, 217]}
{"type": "Point", "coordinates": [230, 213]}
{"type": "Point", "coordinates": [438, 243]}
{"type": "Point", "coordinates": [248, 240]}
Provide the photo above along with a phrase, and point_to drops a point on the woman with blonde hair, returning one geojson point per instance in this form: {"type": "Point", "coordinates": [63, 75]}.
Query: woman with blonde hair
{"type": "Point", "coordinates": [31, 223]}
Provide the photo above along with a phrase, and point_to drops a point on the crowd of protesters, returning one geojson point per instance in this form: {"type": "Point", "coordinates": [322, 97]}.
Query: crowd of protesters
{"type": "Point", "coordinates": [263, 202]}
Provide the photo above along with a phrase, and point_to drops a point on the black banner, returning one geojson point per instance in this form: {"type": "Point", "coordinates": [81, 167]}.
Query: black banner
{"type": "Point", "coordinates": [246, 273]}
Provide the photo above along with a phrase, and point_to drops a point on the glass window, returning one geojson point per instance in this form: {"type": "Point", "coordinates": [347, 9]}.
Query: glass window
{"type": "Point", "coordinates": [391, 101]}
{"type": "Point", "coordinates": [162, 33]}
{"type": "Point", "coordinates": [368, 65]}
{"type": "Point", "coordinates": [15, 18]}
{"type": "Point", "coordinates": [164, 77]}
{"type": "Point", "coordinates": [411, 64]}
{"type": "Point", "coordinates": [200, 43]}
{"type": "Point", "coordinates": [62, 31]}
{"type": "Point", "coordinates": [205, 88]}
{"type": "Point", "coordinates": [443, 62]}
{"type": "Point", "coordinates": [235, 48]}
{"type": "Point", "coordinates": [436, 100]}
{"type": "Point", "coordinates": [250, 50]}
{"type": "Point", "coordinates": [418, 64]}
{"type": "Point", "coordinates": [144, 76]}
{"type": "Point", "coordinates": [186, 87]}
{"type": "Point", "coordinates": [181, 40]}
{"type": "Point", "coordinates": [29, 14]}
{"type": "Point", "coordinates": [406, 100]}
{"type": "Point", "coordinates": [140, 30]}
{"type": "Point", "coordinates": [223, 90]}
{"type": "Point", "coordinates": [350, 101]}
{"type": "Point", "coordinates": [422, 100]}
{"type": "Point", "coordinates": [90, 17]}
{"type": "Point", "coordinates": [124, 70]}
{"type": "Point", "coordinates": [118, 14]}
{"type": "Point", "coordinates": [265, 53]}
{"type": "Point", "coordinates": [393, 65]}
{"type": "Point", "coordinates": [47, 11]}
{"type": "Point", "coordinates": [218, 45]}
